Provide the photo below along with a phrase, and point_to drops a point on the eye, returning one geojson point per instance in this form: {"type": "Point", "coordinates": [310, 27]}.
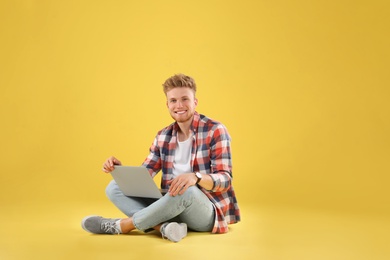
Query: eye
{"type": "Point", "coordinates": [172, 101]}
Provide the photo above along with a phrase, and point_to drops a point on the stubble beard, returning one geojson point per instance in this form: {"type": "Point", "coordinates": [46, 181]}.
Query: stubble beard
{"type": "Point", "coordinates": [180, 120]}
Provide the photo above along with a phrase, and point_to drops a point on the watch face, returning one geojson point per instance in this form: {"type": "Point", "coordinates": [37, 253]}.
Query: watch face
{"type": "Point", "coordinates": [198, 175]}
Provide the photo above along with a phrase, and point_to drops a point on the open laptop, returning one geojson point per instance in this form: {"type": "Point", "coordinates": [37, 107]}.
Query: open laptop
{"type": "Point", "coordinates": [136, 181]}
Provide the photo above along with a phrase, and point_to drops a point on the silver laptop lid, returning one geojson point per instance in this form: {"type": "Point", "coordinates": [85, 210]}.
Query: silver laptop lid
{"type": "Point", "coordinates": [135, 181]}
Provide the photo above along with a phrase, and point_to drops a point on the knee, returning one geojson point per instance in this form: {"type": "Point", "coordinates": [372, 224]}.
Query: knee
{"type": "Point", "coordinates": [112, 189]}
{"type": "Point", "coordinates": [192, 191]}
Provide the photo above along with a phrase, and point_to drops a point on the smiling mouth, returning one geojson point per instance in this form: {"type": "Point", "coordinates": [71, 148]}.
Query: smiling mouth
{"type": "Point", "coordinates": [180, 112]}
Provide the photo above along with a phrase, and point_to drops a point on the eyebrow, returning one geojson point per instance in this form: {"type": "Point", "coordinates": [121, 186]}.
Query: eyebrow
{"type": "Point", "coordinates": [179, 97]}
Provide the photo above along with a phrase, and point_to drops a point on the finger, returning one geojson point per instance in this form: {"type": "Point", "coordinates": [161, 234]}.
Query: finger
{"type": "Point", "coordinates": [180, 188]}
{"type": "Point", "coordinates": [175, 192]}
{"type": "Point", "coordinates": [111, 161]}
{"type": "Point", "coordinates": [183, 189]}
{"type": "Point", "coordinates": [174, 189]}
{"type": "Point", "coordinates": [117, 162]}
{"type": "Point", "coordinates": [104, 166]}
{"type": "Point", "coordinates": [108, 165]}
{"type": "Point", "coordinates": [172, 184]}
{"type": "Point", "coordinates": [176, 185]}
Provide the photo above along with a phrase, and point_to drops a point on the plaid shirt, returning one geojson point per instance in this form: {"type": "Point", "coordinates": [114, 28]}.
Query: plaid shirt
{"type": "Point", "coordinates": [210, 155]}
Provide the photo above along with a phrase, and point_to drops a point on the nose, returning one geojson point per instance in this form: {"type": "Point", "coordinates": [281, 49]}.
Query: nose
{"type": "Point", "coordinates": [179, 104]}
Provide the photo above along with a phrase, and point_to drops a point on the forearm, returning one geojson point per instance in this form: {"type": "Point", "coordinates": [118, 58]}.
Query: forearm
{"type": "Point", "coordinates": [217, 182]}
{"type": "Point", "coordinates": [206, 182]}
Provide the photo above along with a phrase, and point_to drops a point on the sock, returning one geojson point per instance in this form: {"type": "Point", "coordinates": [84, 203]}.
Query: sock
{"type": "Point", "coordinates": [118, 225]}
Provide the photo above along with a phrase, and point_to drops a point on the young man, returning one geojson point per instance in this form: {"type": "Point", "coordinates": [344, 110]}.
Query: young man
{"type": "Point", "coordinates": [195, 158]}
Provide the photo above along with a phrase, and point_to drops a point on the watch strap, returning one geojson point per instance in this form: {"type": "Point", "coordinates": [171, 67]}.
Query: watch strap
{"type": "Point", "coordinates": [198, 178]}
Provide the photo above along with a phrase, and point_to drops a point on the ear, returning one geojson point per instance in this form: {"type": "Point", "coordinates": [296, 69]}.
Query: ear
{"type": "Point", "coordinates": [166, 103]}
{"type": "Point", "coordinates": [196, 102]}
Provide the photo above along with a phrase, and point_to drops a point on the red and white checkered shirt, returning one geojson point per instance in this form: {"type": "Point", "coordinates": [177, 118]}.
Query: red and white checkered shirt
{"type": "Point", "coordinates": [210, 155]}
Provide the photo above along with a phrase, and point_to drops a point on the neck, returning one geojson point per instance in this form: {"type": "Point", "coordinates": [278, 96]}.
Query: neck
{"type": "Point", "coordinates": [184, 130]}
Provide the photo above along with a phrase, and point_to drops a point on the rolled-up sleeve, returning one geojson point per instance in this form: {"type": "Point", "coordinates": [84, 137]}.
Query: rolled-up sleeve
{"type": "Point", "coordinates": [221, 160]}
{"type": "Point", "coordinates": [153, 161]}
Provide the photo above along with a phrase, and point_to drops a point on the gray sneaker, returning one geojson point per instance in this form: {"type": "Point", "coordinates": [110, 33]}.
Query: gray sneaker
{"type": "Point", "coordinates": [100, 225]}
{"type": "Point", "coordinates": [174, 231]}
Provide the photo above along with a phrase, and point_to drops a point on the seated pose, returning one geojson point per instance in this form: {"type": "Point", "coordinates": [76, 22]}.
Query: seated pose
{"type": "Point", "coordinates": [195, 158]}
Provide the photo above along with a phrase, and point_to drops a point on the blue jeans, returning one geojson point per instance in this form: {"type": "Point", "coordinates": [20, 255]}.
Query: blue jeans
{"type": "Point", "coordinates": [192, 208]}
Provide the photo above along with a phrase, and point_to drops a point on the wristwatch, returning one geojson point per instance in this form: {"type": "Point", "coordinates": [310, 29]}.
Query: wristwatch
{"type": "Point", "coordinates": [199, 176]}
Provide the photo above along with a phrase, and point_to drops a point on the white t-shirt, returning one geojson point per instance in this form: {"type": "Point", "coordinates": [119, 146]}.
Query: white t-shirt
{"type": "Point", "coordinates": [182, 160]}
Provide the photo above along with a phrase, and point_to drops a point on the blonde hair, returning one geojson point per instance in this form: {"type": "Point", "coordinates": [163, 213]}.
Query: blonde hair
{"type": "Point", "coordinates": [179, 81]}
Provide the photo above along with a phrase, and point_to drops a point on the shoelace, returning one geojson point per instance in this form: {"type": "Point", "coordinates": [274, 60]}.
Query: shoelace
{"type": "Point", "coordinates": [109, 227]}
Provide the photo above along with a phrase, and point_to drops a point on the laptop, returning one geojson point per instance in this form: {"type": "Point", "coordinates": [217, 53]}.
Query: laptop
{"type": "Point", "coordinates": [135, 181]}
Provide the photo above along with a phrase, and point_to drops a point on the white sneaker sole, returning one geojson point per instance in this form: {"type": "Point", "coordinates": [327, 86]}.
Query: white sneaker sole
{"type": "Point", "coordinates": [175, 231]}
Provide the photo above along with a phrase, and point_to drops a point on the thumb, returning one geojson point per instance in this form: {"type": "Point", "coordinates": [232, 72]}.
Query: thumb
{"type": "Point", "coordinates": [116, 162]}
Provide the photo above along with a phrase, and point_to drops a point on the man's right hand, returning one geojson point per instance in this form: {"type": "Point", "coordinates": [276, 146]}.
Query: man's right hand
{"type": "Point", "coordinates": [109, 164]}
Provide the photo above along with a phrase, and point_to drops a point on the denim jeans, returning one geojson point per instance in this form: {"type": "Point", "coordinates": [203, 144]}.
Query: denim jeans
{"type": "Point", "coordinates": [192, 208]}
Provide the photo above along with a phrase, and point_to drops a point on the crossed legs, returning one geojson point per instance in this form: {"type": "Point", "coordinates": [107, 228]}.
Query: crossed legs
{"type": "Point", "coordinates": [192, 208]}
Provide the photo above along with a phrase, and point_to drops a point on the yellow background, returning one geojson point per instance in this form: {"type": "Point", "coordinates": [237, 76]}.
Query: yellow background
{"type": "Point", "coordinates": [302, 86]}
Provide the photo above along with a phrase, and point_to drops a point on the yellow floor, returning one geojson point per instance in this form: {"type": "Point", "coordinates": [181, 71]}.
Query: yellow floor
{"type": "Point", "coordinates": [54, 232]}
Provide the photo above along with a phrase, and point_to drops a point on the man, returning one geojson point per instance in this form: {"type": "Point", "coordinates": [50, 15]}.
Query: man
{"type": "Point", "coordinates": [195, 158]}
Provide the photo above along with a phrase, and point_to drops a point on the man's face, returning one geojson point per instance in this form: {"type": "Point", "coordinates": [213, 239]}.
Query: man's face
{"type": "Point", "coordinates": [181, 103]}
